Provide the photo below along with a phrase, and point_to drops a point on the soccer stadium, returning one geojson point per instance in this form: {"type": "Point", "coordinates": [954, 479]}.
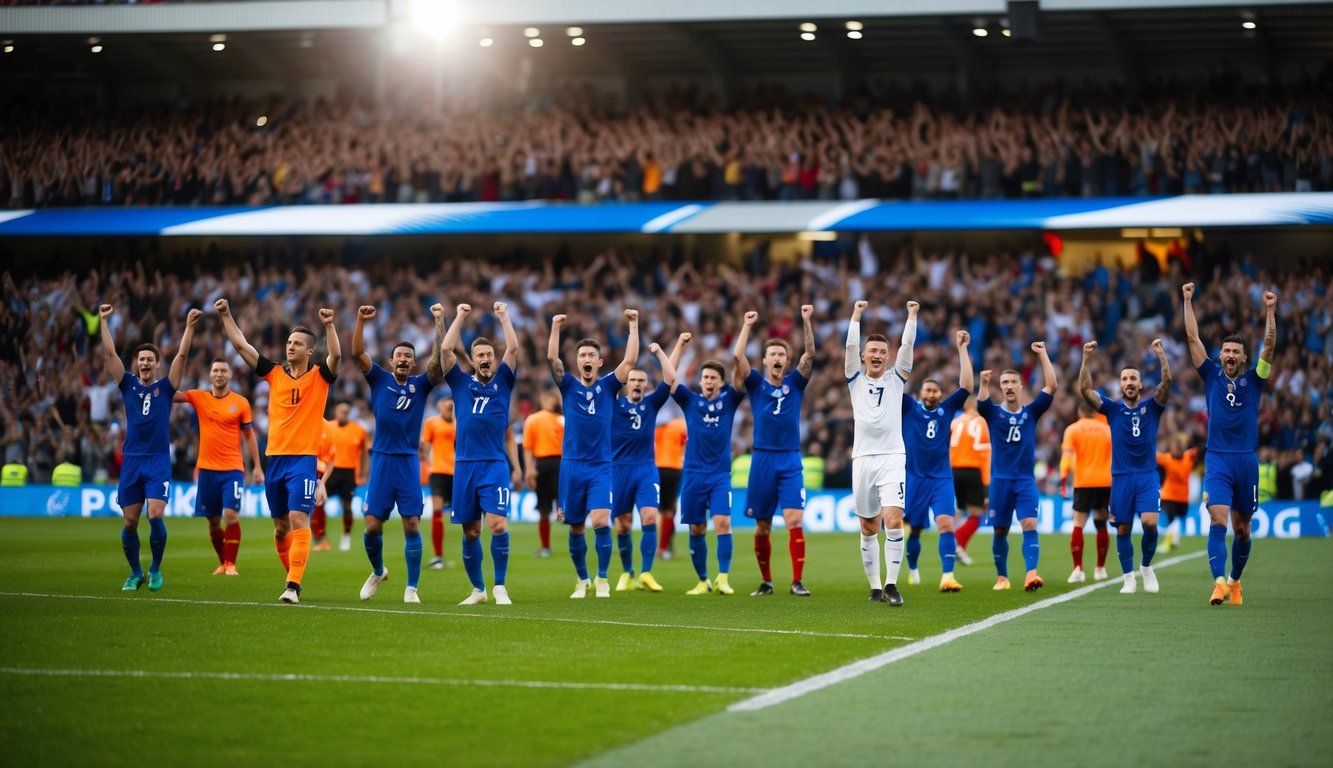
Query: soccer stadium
{"type": "Point", "coordinates": [613, 336]}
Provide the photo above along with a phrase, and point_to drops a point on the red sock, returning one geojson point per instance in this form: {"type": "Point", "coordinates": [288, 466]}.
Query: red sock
{"type": "Point", "coordinates": [1103, 545]}
{"type": "Point", "coordinates": [796, 546]}
{"type": "Point", "coordinates": [666, 527]}
{"type": "Point", "coordinates": [318, 522]}
{"type": "Point", "coordinates": [544, 531]}
{"type": "Point", "coordinates": [231, 542]}
{"type": "Point", "coordinates": [763, 552]}
{"type": "Point", "coordinates": [437, 532]}
{"type": "Point", "coordinates": [965, 531]}
{"type": "Point", "coordinates": [283, 545]}
{"type": "Point", "coordinates": [1076, 547]}
{"type": "Point", "coordinates": [216, 535]}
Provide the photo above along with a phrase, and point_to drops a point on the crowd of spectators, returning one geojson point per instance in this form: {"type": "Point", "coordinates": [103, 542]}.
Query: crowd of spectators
{"type": "Point", "coordinates": [1213, 136]}
{"type": "Point", "coordinates": [56, 401]}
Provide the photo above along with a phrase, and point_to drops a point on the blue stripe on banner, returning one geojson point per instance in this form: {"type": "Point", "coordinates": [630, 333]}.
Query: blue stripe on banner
{"type": "Point", "coordinates": [147, 222]}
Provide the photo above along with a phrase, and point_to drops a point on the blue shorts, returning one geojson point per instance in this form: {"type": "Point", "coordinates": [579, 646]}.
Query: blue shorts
{"type": "Point", "coordinates": [777, 481]}
{"type": "Point", "coordinates": [634, 485]}
{"type": "Point", "coordinates": [218, 489]}
{"type": "Point", "coordinates": [480, 487]}
{"type": "Point", "coordinates": [584, 486]}
{"type": "Point", "coordinates": [144, 477]}
{"type": "Point", "coordinates": [703, 494]}
{"type": "Point", "coordinates": [1010, 497]}
{"type": "Point", "coordinates": [1229, 478]}
{"type": "Point", "coordinates": [395, 478]}
{"type": "Point", "coordinates": [927, 495]}
{"type": "Point", "coordinates": [289, 484]}
{"type": "Point", "coordinates": [1134, 494]}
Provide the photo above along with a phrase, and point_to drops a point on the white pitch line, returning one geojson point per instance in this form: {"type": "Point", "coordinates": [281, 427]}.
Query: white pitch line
{"type": "Point", "coordinates": [493, 616]}
{"type": "Point", "coordinates": [284, 678]}
{"type": "Point", "coordinates": [847, 672]}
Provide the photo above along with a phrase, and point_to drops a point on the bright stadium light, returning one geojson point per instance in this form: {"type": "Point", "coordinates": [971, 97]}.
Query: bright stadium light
{"type": "Point", "coordinates": [96, 49]}
{"type": "Point", "coordinates": [980, 32]}
{"type": "Point", "coordinates": [262, 121]}
{"type": "Point", "coordinates": [438, 18]}
{"type": "Point", "coordinates": [532, 32]}
{"type": "Point", "coordinates": [486, 42]}
{"type": "Point", "coordinates": [808, 26]}
{"type": "Point", "coordinates": [1248, 24]}
{"type": "Point", "coordinates": [807, 36]}
{"type": "Point", "coordinates": [219, 46]}
{"type": "Point", "coordinates": [1007, 33]}
{"type": "Point", "coordinates": [574, 31]}
{"type": "Point", "coordinates": [855, 26]}
{"type": "Point", "coordinates": [855, 34]}
{"type": "Point", "coordinates": [536, 42]}
{"type": "Point", "coordinates": [578, 41]}
{"type": "Point", "coordinates": [9, 49]}
{"type": "Point", "coordinates": [217, 38]}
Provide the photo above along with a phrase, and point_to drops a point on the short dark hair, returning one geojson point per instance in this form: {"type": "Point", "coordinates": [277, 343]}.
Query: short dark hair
{"type": "Point", "coordinates": [149, 348]}
{"type": "Point", "coordinates": [589, 343]}
{"type": "Point", "coordinates": [932, 381]}
{"type": "Point", "coordinates": [347, 403]}
{"type": "Point", "coordinates": [1133, 368]}
{"type": "Point", "coordinates": [306, 331]}
{"type": "Point", "coordinates": [407, 344]}
{"type": "Point", "coordinates": [777, 343]}
{"type": "Point", "coordinates": [481, 341]}
{"type": "Point", "coordinates": [222, 360]}
{"type": "Point", "coordinates": [713, 365]}
{"type": "Point", "coordinates": [1236, 338]}
{"type": "Point", "coordinates": [1085, 408]}
{"type": "Point", "coordinates": [1011, 370]}
{"type": "Point", "coordinates": [877, 337]}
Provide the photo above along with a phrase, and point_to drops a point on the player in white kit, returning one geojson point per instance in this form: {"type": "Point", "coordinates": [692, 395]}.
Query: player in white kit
{"type": "Point", "coordinates": [879, 457]}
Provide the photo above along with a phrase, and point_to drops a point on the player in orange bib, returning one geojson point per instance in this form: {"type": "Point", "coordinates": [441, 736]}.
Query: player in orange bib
{"type": "Point", "coordinates": [669, 451]}
{"type": "Point", "coordinates": [437, 444]}
{"type": "Point", "coordinates": [969, 455]}
{"type": "Point", "coordinates": [224, 427]}
{"type": "Point", "coordinates": [543, 438]}
{"type": "Point", "coordinates": [298, 395]}
{"type": "Point", "coordinates": [351, 464]}
{"type": "Point", "coordinates": [324, 466]}
{"type": "Point", "coordinates": [1177, 464]}
{"type": "Point", "coordinates": [1086, 451]}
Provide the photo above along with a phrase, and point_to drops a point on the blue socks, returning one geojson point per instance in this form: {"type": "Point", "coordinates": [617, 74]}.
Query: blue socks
{"type": "Point", "coordinates": [375, 551]}
{"type": "Point", "coordinates": [625, 543]}
{"type": "Point", "coordinates": [724, 553]}
{"type": "Point", "coordinates": [472, 562]}
{"type": "Point", "coordinates": [999, 549]}
{"type": "Point", "coordinates": [129, 541]}
{"type": "Point", "coordinates": [648, 546]}
{"type": "Point", "coordinates": [913, 548]}
{"type": "Point", "coordinates": [1124, 548]}
{"type": "Point", "coordinates": [948, 551]}
{"type": "Point", "coordinates": [699, 554]}
{"type": "Point", "coordinates": [578, 552]}
{"type": "Point", "coordinates": [1149, 544]}
{"type": "Point", "coordinates": [412, 552]}
{"type": "Point", "coordinates": [1217, 550]}
{"type": "Point", "coordinates": [157, 542]}
{"type": "Point", "coordinates": [601, 538]}
{"type": "Point", "coordinates": [1031, 550]}
{"type": "Point", "coordinates": [500, 557]}
{"type": "Point", "coordinates": [1240, 555]}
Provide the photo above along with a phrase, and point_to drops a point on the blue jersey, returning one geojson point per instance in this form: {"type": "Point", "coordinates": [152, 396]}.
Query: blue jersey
{"type": "Point", "coordinates": [634, 426]}
{"type": "Point", "coordinates": [588, 412]}
{"type": "Point", "coordinates": [1233, 409]}
{"type": "Point", "coordinates": [147, 416]}
{"type": "Point", "coordinates": [708, 424]}
{"type": "Point", "coordinates": [1133, 434]}
{"type": "Point", "coordinates": [926, 434]}
{"type": "Point", "coordinates": [1013, 437]}
{"type": "Point", "coordinates": [482, 413]}
{"type": "Point", "coordinates": [777, 411]}
{"type": "Point", "coordinates": [399, 409]}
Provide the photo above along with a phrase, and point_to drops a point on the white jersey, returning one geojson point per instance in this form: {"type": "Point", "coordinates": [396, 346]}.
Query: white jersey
{"type": "Point", "coordinates": [878, 407]}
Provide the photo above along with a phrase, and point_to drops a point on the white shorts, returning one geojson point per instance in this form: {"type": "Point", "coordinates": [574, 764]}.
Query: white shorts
{"type": "Point", "coordinates": [879, 481]}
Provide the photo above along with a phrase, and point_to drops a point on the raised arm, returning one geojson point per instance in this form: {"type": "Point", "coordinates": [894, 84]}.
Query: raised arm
{"type": "Point", "coordinates": [363, 313]}
{"type": "Point", "coordinates": [1085, 388]}
{"type": "Point", "coordinates": [233, 332]}
{"type": "Point", "coordinates": [447, 356]}
{"type": "Point", "coordinates": [682, 341]}
{"type": "Point", "coordinates": [806, 364]}
{"type": "Point", "coordinates": [664, 360]}
{"type": "Point", "coordinates": [1270, 335]}
{"type": "Point", "coordinates": [631, 358]}
{"type": "Point", "coordinates": [434, 371]}
{"type": "Point", "coordinates": [334, 360]}
{"type": "Point", "coordinates": [905, 352]}
{"type": "Point", "coordinates": [983, 392]}
{"type": "Point", "coordinates": [1047, 370]}
{"type": "Point", "coordinates": [115, 367]}
{"type": "Point", "coordinates": [852, 362]}
{"type": "Point", "coordinates": [1197, 352]}
{"type": "Point", "coordinates": [553, 349]}
{"type": "Point", "coordinates": [511, 338]}
{"type": "Point", "coordinates": [177, 369]}
{"type": "Point", "coordinates": [1163, 392]}
{"type": "Point", "coordinates": [966, 379]}
{"type": "Point", "coordinates": [741, 371]}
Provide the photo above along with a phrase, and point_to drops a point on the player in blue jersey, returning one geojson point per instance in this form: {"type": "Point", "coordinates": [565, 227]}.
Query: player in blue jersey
{"type": "Point", "coordinates": [485, 459]}
{"type": "Point", "coordinates": [398, 400]}
{"type": "Point", "coordinates": [145, 476]}
{"type": "Point", "coordinates": [1230, 465]}
{"type": "Point", "coordinates": [1134, 483]}
{"type": "Point", "coordinates": [1013, 431]}
{"type": "Point", "coordinates": [706, 478]}
{"type": "Point", "coordinates": [926, 432]}
{"type": "Point", "coordinates": [777, 477]}
{"type": "Point", "coordinates": [634, 477]}
{"type": "Point", "coordinates": [585, 461]}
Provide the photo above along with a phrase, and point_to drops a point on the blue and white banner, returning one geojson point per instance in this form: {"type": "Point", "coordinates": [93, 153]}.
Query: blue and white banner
{"type": "Point", "coordinates": [540, 217]}
{"type": "Point", "coordinates": [825, 511]}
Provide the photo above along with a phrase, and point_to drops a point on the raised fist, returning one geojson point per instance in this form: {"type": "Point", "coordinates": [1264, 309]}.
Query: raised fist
{"type": "Point", "coordinates": [985, 378]}
{"type": "Point", "coordinates": [632, 315]}
{"type": "Point", "coordinates": [654, 348]}
{"type": "Point", "coordinates": [437, 310]}
{"type": "Point", "coordinates": [912, 307]}
{"type": "Point", "coordinates": [463, 309]}
{"type": "Point", "coordinates": [1157, 346]}
{"type": "Point", "coordinates": [222, 307]}
{"type": "Point", "coordinates": [558, 320]}
{"type": "Point", "coordinates": [807, 311]}
{"type": "Point", "coordinates": [365, 311]}
{"type": "Point", "coordinates": [860, 306]}
{"type": "Point", "coordinates": [326, 316]}
{"type": "Point", "coordinates": [686, 337]}
{"type": "Point", "coordinates": [501, 309]}
{"type": "Point", "coordinates": [1091, 347]}
{"type": "Point", "coordinates": [1039, 347]}
{"type": "Point", "coordinates": [1188, 290]}
{"type": "Point", "coordinates": [106, 309]}
{"type": "Point", "coordinates": [1270, 299]}
{"type": "Point", "coordinates": [751, 318]}
{"type": "Point", "coordinates": [192, 317]}
{"type": "Point", "coordinates": [962, 338]}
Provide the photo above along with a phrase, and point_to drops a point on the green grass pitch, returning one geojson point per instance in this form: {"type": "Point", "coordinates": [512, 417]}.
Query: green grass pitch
{"type": "Point", "coordinates": [213, 671]}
